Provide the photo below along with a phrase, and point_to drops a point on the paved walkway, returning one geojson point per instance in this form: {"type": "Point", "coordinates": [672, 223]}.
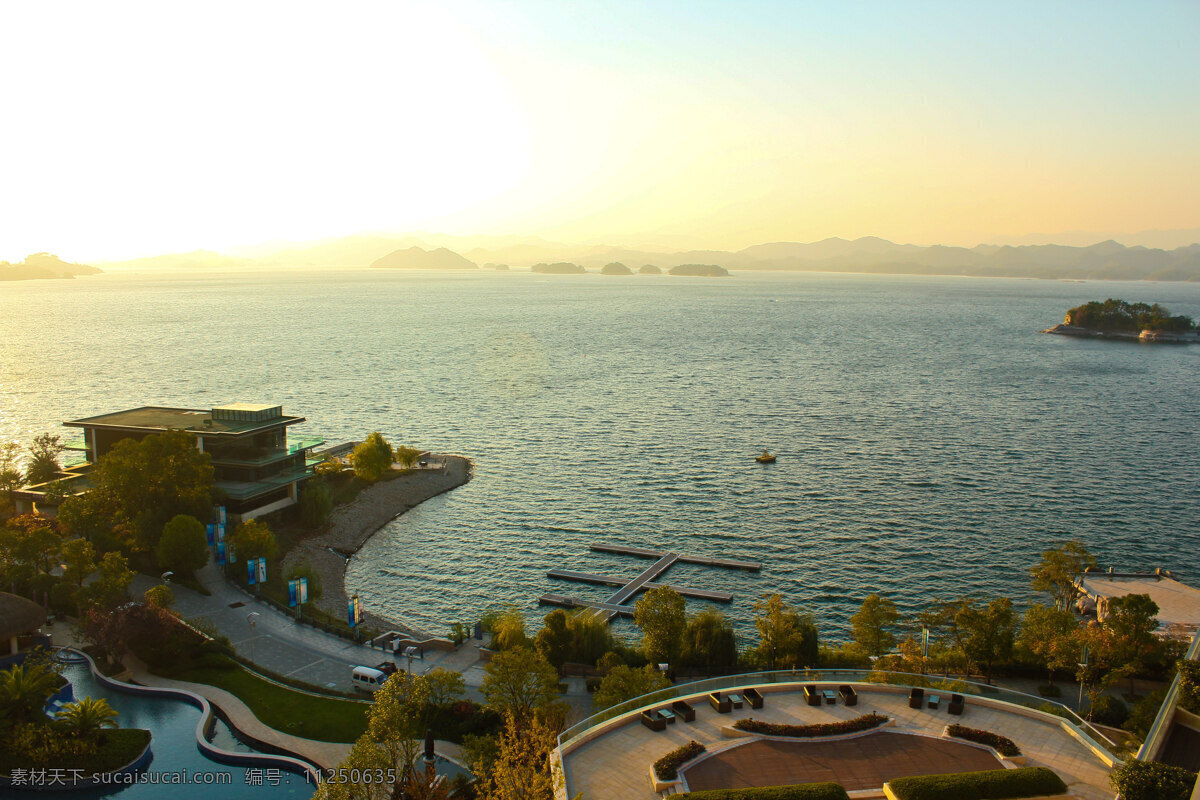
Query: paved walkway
{"type": "Point", "coordinates": [278, 643]}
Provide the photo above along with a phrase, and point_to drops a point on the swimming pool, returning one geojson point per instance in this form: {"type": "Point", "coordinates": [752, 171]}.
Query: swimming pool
{"type": "Point", "coordinates": [178, 768]}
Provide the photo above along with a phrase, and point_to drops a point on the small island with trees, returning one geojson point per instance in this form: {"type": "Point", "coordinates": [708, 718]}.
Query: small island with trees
{"type": "Point", "coordinates": [699, 271]}
{"type": "Point", "coordinates": [1119, 319]}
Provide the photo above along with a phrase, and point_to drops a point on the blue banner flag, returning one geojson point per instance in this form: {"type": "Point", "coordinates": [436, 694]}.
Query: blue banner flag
{"type": "Point", "coordinates": [210, 534]}
{"type": "Point", "coordinates": [220, 552]}
{"type": "Point", "coordinates": [261, 570]}
{"type": "Point", "coordinates": [292, 593]}
{"type": "Point", "coordinates": [251, 571]}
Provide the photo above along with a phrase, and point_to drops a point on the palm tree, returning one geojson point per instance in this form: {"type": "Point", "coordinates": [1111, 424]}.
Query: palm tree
{"type": "Point", "coordinates": [24, 690]}
{"type": "Point", "coordinates": [88, 716]}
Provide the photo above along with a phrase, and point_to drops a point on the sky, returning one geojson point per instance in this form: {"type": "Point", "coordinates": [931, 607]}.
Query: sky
{"type": "Point", "coordinates": [139, 128]}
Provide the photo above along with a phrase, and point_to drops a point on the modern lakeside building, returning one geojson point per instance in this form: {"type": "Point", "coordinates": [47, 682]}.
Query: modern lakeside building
{"type": "Point", "coordinates": [258, 468]}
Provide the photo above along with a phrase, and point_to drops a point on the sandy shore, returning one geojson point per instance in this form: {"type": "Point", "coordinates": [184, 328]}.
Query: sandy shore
{"type": "Point", "coordinates": [351, 525]}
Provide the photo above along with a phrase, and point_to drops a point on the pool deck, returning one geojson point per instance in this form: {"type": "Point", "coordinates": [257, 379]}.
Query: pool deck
{"type": "Point", "coordinates": [616, 764]}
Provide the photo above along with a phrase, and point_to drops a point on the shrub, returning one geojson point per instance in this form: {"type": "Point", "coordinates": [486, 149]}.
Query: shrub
{"type": "Point", "coordinates": [1109, 710]}
{"type": "Point", "coordinates": [1189, 685]}
{"type": "Point", "coordinates": [1002, 744]}
{"type": "Point", "coordinates": [1050, 690]}
{"type": "Point", "coordinates": [667, 767]}
{"type": "Point", "coordinates": [991, 784]}
{"type": "Point", "coordinates": [1149, 780]}
{"type": "Point", "coordinates": [800, 791]}
{"type": "Point", "coordinates": [863, 723]}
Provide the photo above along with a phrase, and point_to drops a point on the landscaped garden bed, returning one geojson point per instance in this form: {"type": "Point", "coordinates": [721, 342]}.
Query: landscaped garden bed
{"type": "Point", "coordinates": [667, 767]}
{"type": "Point", "coordinates": [1001, 744]}
{"type": "Point", "coordinates": [856, 725]}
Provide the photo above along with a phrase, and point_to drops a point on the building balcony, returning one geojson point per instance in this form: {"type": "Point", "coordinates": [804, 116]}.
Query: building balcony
{"type": "Point", "coordinates": [262, 456]}
{"type": "Point", "coordinates": [245, 490]}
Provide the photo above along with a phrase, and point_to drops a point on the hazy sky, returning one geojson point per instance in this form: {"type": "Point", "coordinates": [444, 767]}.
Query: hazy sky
{"type": "Point", "coordinates": [139, 128]}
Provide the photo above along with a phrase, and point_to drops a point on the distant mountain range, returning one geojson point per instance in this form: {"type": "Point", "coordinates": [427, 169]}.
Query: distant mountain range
{"type": "Point", "coordinates": [42, 265]}
{"type": "Point", "coordinates": [1107, 260]}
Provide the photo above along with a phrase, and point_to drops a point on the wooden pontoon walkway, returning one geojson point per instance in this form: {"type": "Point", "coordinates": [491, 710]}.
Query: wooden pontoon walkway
{"type": "Point", "coordinates": [705, 561]}
{"type": "Point", "coordinates": [612, 580]}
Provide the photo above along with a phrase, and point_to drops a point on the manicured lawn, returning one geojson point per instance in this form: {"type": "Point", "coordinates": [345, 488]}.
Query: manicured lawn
{"type": "Point", "coordinates": [120, 747]}
{"type": "Point", "coordinates": [325, 719]}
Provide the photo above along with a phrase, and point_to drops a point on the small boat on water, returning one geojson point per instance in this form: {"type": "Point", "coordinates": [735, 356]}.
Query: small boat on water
{"type": "Point", "coordinates": [765, 458]}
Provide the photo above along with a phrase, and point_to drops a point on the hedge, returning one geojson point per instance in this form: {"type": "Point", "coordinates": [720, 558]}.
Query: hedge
{"type": "Point", "coordinates": [991, 784]}
{"type": "Point", "coordinates": [863, 723]}
{"type": "Point", "coordinates": [1002, 744]}
{"type": "Point", "coordinates": [800, 791]}
{"type": "Point", "coordinates": [667, 767]}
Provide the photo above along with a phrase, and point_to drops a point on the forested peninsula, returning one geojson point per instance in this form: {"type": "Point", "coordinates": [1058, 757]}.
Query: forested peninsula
{"type": "Point", "coordinates": [1124, 320]}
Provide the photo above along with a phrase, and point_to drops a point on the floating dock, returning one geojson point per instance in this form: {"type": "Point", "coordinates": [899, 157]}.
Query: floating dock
{"type": "Point", "coordinates": [612, 580]}
{"type": "Point", "coordinates": [705, 561]}
{"type": "Point", "coordinates": [628, 587]}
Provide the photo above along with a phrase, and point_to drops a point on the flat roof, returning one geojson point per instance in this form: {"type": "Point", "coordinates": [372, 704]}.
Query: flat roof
{"type": "Point", "coordinates": [1178, 603]}
{"type": "Point", "coordinates": [161, 418]}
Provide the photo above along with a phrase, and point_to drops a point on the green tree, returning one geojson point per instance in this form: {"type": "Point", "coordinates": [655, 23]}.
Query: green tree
{"type": "Point", "coordinates": [43, 459]}
{"type": "Point", "coordinates": [623, 683]}
{"type": "Point", "coordinates": [507, 627]}
{"type": "Point", "coordinates": [316, 503]}
{"type": "Point", "coordinates": [30, 546]}
{"type": "Point", "coordinates": [521, 768]}
{"type": "Point", "coordinates": [1058, 569]}
{"type": "Point", "coordinates": [554, 641]}
{"type": "Point", "coordinates": [253, 539]}
{"type": "Point", "coordinates": [787, 636]}
{"type": "Point", "coordinates": [1048, 635]}
{"type": "Point", "coordinates": [872, 626]}
{"type": "Point", "coordinates": [590, 636]}
{"type": "Point", "coordinates": [159, 596]}
{"type": "Point", "coordinates": [986, 633]}
{"type": "Point", "coordinates": [660, 614]}
{"type": "Point", "coordinates": [1132, 620]}
{"type": "Point", "coordinates": [24, 690]}
{"type": "Point", "coordinates": [87, 717]}
{"type": "Point", "coordinates": [406, 455]}
{"type": "Point", "coordinates": [709, 642]}
{"type": "Point", "coordinates": [446, 686]}
{"type": "Point", "coordinates": [372, 458]}
{"type": "Point", "coordinates": [519, 681]}
{"type": "Point", "coordinates": [182, 547]}
{"type": "Point", "coordinates": [79, 560]}
{"type": "Point", "coordinates": [1150, 780]}
{"type": "Point", "coordinates": [396, 723]}
{"type": "Point", "coordinates": [10, 468]}
{"type": "Point", "coordinates": [137, 487]}
{"type": "Point", "coordinates": [110, 588]}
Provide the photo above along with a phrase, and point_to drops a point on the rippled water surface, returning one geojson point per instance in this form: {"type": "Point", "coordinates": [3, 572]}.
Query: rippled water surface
{"type": "Point", "coordinates": [931, 442]}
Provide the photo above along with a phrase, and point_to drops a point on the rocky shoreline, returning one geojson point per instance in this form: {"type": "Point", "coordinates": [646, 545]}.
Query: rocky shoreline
{"type": "Point", "coordinates": [1064, 329]}
{"type": "Point", "coordinates": [351, 525]}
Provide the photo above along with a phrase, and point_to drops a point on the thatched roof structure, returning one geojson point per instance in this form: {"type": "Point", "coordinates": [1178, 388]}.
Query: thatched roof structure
{"type": "Point", "coordinates": [19, 616]}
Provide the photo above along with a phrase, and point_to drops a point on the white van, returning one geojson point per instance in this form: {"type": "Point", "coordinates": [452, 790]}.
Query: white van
{"type": "Point", "coordinates": [368, 679]}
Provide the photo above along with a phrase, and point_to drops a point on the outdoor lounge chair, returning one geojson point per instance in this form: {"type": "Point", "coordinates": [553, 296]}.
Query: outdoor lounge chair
{"type": "Point", "coordinates": [653, 721]}
{"type": "Point", "coordinates": [812, 695]}
{"type": "Point", "coordinates": [753, 697]}
{"type": "Point", "coordinates": [849, 696]}
{"type": "Point", "coordinates": [721, 704]}
{"type": "Point", "coordinates": [956, 704]}
{"type": "Point", "coordinates": [916, 698]}
{"type": "Point", "coordinates": [683, 709]}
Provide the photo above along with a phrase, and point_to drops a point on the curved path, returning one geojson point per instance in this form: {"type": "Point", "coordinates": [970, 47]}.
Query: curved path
{"type": "Point", "coordinates": [353, 524]}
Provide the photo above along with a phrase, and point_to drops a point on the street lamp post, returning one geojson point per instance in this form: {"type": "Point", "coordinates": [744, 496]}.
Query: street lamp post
{"type": "Point", "coordinates": [251, 621]}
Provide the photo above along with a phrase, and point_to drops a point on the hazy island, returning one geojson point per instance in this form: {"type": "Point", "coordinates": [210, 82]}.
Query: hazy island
{"type": "Point", "coordinates": [419, 258]}
{"type": "Point", "coordinates": [699, 271]}
{"type": "Point", "coordinates": [649, 269]}
{"type": "Point", "coordinates": [615, 268]}
{"type": "Point", "coordinates": [558, 268]}
{"type": "Point", "coordinates": [43, 265]}
{"type": "Point", "coordinates": [1120, 319]}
